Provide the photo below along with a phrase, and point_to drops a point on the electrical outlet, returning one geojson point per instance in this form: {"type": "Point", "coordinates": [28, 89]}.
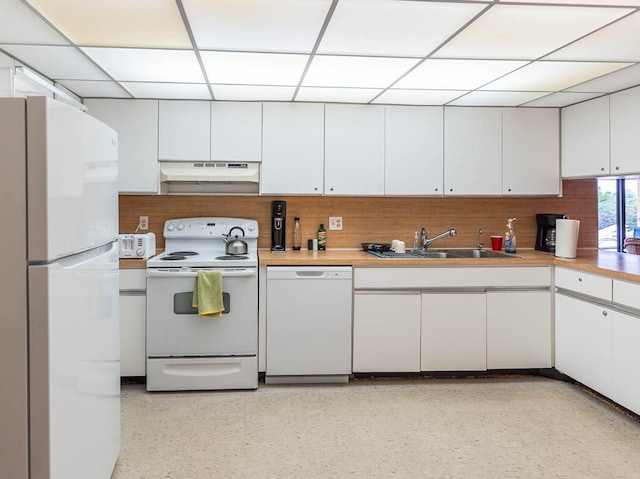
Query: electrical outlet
{"type": "Point", "coordinates": [144, 223]}
{"type": "Point", "coordinates": [335, 222]}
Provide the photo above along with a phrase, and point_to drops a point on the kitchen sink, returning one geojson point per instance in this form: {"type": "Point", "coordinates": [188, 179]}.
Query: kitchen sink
{"type": "Point", "coordinates": [461, 253]}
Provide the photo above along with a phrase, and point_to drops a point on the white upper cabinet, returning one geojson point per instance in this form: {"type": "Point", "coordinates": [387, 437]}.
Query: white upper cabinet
{"type": "Point", "coordinates": [625, 132]}
{"type": "Point", "coordinates": [585, 139]}
{"type": "Point", "coordinates": [354, 150]}
{"type": "Point", "coordinates": [184, 130]}
{"type": "Point", "coordinates": [236, 131]}
{"type": "Point", "coordinates": [530, 151]}
{"type": "Point", "coordinates": [472, 151]}
{"type": "Point", "coordinates": [413, 150]}
{"type": "Point", "coordinates": [293, 148]}
{"type": "Point", "coordinates": [136, 122]}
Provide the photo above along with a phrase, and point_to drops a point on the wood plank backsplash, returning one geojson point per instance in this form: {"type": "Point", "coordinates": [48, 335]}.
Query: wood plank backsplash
{"type": "Point", "coordinates": [378, 219]}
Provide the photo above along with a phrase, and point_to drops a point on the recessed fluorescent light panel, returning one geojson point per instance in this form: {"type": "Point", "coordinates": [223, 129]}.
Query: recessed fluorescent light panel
{"type": "Point", "coordinates": [253, 92]}
{"type": "Point", "coordinates": [182, 91]}
{"type": "Point", "coordinates": [418, 97]}
{"type": "Point", "coordinates": [499, 98]}
{"type": "Point", "coordinates": [561, 99]}
{"type": "Point", "coordinates": [526, 31]}
{"type": "Point", "coordinates": [130, 64]}
{"type": "Point", "coordinates": [338, 95]}
{"type": "Point", "coordinates": [95, 89]}
{"type": "Point", "coordinates": [365, 72]}
{"type": "Point", "coordinates": [618, 80]}
{"type": "Point", "coordinates": [60, 62]}
{"type": "Point", "coordinates": [456, 74]}
{"type": "Point", "coordinates": [256, 25]}
{"type": "Point", "coordinates": [383, 28]}
{"type": "Point", "coordinates": [18, 24]}
{"type": "Point", "coordinates": [254, 68]}
{"type": "Point", "coordinates": [117, 23]}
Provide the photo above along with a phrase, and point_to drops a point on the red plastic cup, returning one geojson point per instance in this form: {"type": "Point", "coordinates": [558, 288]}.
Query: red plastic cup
{"type": "Point", "coordinates": [496, 243]}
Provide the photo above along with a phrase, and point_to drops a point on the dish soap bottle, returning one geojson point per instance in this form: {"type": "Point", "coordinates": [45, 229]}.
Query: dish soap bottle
{"type": "Point", "coordinates": [297, 242]}
{"type": "Point", "coordinates": [416, 242]}
{"type": "Point", "coordinates": [322, 238]}
{"type": "Point", "coordinates": [510, 237]}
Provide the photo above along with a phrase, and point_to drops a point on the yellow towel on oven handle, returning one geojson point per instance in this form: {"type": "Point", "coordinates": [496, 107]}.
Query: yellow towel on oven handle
{"type": "Point", "coordinates": [207, 293]}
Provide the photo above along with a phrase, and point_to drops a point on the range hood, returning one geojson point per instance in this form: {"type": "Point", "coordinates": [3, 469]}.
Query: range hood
{"type": "Point", "coordinates": [209, 177]}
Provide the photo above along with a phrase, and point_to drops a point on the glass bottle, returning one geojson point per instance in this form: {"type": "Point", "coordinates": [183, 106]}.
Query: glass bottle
{"type": "Point", "coordinates": [297, 242]}
{"type": "Point", "coordinates": [322, 238]}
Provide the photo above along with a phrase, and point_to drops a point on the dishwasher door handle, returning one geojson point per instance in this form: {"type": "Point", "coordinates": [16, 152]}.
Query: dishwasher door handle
{"type": "Point", "coordinates": [310, 274]}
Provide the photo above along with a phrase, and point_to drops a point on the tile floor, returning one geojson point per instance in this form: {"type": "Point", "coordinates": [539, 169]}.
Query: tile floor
{"type": "Point", "coordinates": [497, 428]}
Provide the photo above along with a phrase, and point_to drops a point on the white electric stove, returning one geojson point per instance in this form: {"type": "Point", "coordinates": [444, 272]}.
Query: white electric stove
{"type": "Point", "coordinates": [186, 351]}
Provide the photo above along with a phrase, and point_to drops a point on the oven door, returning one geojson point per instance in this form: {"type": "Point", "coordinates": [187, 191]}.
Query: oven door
{"type": "Point", "coordinates": [175, 329]}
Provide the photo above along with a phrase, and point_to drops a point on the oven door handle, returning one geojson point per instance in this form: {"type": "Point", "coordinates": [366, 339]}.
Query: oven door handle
{"type": "Point", "coordinates": [226, 273]}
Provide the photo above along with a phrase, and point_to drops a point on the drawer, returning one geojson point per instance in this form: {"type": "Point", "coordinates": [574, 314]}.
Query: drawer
{"type": "Point", "coordinates": [133, 279]}
{"type": "Point", "coordinates": [626, 293]}
{"type": "Point", "coordinates": [584, 283]}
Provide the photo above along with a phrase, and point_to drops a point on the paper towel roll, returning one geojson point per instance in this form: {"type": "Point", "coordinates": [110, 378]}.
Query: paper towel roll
{"type": "Point", "coordinates": [567, 238]}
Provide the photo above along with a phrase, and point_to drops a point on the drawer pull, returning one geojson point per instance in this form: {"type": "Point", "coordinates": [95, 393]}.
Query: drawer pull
{"type": "Point", "coordinates": [604, 313]}
{"type": "Point", "coordinates": [580, 280]}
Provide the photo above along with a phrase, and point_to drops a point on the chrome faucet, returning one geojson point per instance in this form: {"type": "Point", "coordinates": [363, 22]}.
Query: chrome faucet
{"type": "Point", "coordinates": [479, 233]}
{"type": "Point", "coordinates": [427, 241]}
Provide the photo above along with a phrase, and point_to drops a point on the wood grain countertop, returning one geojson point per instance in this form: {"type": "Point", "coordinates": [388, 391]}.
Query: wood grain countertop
{"type": "Point", "coordinates": [617, 265]}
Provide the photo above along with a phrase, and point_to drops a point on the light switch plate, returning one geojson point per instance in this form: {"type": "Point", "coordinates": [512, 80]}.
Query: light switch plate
{"type": "Point", "coordinates": [335, 222]}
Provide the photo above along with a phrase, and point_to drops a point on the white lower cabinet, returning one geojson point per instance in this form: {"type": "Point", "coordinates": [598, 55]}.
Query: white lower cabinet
{"type": "Point", "coordinates": [132, 322]}
{"type": "Point", "coordinates": [386, 332]}
{"type": "Point", "coordinates": [519, 329]}
{"type": "Point", "coordinates": [626, 361]}
{"type": "Point", "coordinates": [584, 342]}
{"type": "Point", "coordinates": [454, 328]}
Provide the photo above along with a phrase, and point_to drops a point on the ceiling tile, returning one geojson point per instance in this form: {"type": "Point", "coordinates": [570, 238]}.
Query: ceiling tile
{"type": "Point", "coordinates": [19, 24]}
{"type": "Point", "coordinates": [497, 98]}
{"type": "Point", "coordinates": [619, 80]}
{"type": "Point", "coordinates": [56, 62]}
{"type": "Point", "coordinates": [253, 92]}
{"type": "Point", "coordinates": [418, 97]}
{"type": "Point", "coordinates": [381, 27]}
{"type": "Point", "coordinates": [561, 99]}
{"type": "Point", "coordinates": [6, 61]}
{"type": "Point", "coordinates": [131, 64]}
{"type": "Point", "coordinates": [338, 95]}
{"type": "Point", "coordinates": [456, 74]}
{"type": "Point", "coordinates": [526, 31]}
{"type": "Point", "coordinates": [364, 72]}
{"type": "Point", "coordinates": [254, 68]}
{"type": "Point", "coordinates": [117, 23]}
{"type": "Point", "coordinates": [602, 3]}
{"type": "Point", "coordinates": [257, 25]}
{"type": "Point", "coordinates": [95, 89]}
{"type": "Point", "coordinates": [181, 91]}
{"type": "Point", "coordinates": [605, 44]}
{"type": "Point", "coordinates": [552, 76]}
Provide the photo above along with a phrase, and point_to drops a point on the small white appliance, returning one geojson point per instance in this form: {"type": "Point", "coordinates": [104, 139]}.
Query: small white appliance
{"type": "Point", "coordinates": [59, 334]}
{"type": "Point", "coordinates": [190, 352]}
{"type": "Point", "coordinates": [137, 246]}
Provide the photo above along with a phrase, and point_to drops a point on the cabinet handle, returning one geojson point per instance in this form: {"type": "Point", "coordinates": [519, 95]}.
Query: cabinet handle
{"type": "Point", "coordinates": [315, 189]}
{"type": "Point", "coordinates": [601, 169]}
{"type": "Point", "coordinates": [436, 189]}
{"type": "Point", "coordinates": [450, 189]}
{"type": "Point", "coordinates": [330, 189]}
{"type": "Point", "coordinates": [617, 168]}
{"type": "Point", "coordinates": [509, 189]}
{"type": "Point", "coordinates": [604, 313]}
{"type": "Point", "coordinates": [580, 279]}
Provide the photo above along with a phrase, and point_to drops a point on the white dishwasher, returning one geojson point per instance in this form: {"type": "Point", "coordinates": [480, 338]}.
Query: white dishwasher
{"type": "Point", "coordinates": [309, 311]}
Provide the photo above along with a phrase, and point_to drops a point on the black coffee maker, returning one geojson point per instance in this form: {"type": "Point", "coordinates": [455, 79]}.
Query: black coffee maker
{"type": "Point", "coordinates": [546, 236]}
{"type": "Point", "coordinates": [278, 230]}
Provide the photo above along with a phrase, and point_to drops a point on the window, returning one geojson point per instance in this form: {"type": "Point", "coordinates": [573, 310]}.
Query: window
{"type": "Point", "coordinates": [617, 212]}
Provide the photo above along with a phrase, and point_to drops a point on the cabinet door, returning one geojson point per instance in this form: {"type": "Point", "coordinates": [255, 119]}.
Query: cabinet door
{"type": "Point", "coordinates": [184, 130]}
{"type": "Point", "coordinates": [136, 122]}
{"type": "Point", "coordinates": [625, 131]}
{"type": "Point", "coordinates": [386, 332]}
{"type": "Point", "coordinates": [236, 131]}
{"type": "Point", "coordinates": [585, 139]}
{"type": "Point", "coordinates": [454, 332]}
{"type": "Point", "coordinates": [354, 150]}
{"type": "Point", "coordinates": [626, 361]}
{"type": "Point", "coordinates": [132, 334]}
{"type": "Point", "coordinates": [518, 329]}
{"type": "Point", "coordinates": [530, 151]}
{"type": "Point", "coordinates": [293, 148]}
{"type": "Point", "coordinates": [413, 150]}
{"type": "Point", "coordinates": [584, 343]}
{"type": "Point", "coordinates": [472, 151]}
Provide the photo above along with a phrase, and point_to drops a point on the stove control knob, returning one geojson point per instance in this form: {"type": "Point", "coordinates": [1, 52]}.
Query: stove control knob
{"type": "Point", "coordinates": [180, 226]}
{"type": "Point", "coordinates": [251, 227]}
{"type": "Point", "coordinates": [170, 227]}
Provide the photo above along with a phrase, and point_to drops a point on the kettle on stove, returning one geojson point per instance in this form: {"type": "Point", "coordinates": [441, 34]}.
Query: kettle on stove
{"type": "Point", "coordinates": [235, 246]}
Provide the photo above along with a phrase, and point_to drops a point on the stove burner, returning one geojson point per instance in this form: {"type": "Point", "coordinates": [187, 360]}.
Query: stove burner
{"type": "Point", "coordinates": [173, 257]}
{"type": "Point", "coordinates": [183, 253]}
{"type": "Point", "coordinates": [232, 257]}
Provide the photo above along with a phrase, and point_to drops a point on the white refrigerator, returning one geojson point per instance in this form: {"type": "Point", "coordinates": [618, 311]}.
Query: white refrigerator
{"type": "Point", "coordinates": [59, 331]}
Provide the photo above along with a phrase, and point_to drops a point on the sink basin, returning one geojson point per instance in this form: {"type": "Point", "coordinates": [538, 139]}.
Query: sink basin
{"type": "Point", "coordinates": [433, 254]}
{"type": "Point", "coordinates": [443, 254]}
{"type": "Point", "coordinates": [476, 253]}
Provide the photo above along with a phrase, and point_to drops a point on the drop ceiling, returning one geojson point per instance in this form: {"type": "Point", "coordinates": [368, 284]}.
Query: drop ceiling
{"type": "Point", "coordinates": [415, 52]}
